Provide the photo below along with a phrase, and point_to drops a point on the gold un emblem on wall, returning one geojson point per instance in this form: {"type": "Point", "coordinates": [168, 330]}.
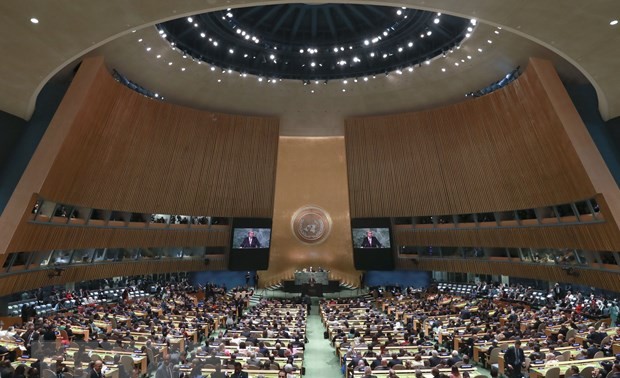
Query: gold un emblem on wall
{"type": "Point", "coordinates": [311, 224]}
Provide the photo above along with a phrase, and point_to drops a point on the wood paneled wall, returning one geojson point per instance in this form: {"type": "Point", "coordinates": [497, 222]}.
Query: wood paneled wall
{"type": "Point", "coordinates": [592, 277]}
{"type": "Point", "coordinates": [130, 153]}
{"type": "Point", "coordinates": [504, 151]}
{"type": "Point", "coordinates": [14, 283]}
{"type": "Point", "coordinates": [43, 237]}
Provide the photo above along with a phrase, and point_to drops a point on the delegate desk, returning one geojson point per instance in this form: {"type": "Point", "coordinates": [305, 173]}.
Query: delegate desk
{"type": "Point", "coordinates": [410, 373]}
{"type": "Point", "coordinates": [539, 371]}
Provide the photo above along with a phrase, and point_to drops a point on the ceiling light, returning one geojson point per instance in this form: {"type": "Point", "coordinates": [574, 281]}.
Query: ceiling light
{"type": "Point", "coordinates": [148, 49]}
{"type": "Point", "coordinates": [344, 90]}
{"type": "Point", "coordinates": [301, 51]}
{"type": "Point", "coordinates": [335, 49]}
{"type": "Point", "coordinates": [496, 32]}
{"type": "Point", "coordinates": [345, 82]}
{"type": "Point", "coordinates": [399, 72]}
{"type": "Point", "coordinates": [385, 33]}
{"type": "Point", "coordinates": [436, 21]}
{"type": "Point", "coordinates": [400, 49]}
{"type": "Point", "coordinates": [272, 57]}
{"type": "Point", "coordinates": [429, 33]}
{"type": "Point", "coordinates": [470, 29]}
{"type": "Point", "coordinates": [612, 23]}
{"type": "Point", "coordinates": [439, 14]}
{"type": "Point", "coordinates": [480, 50]}
{"type": "Point", "coordinates": [158, 56]}
{"type": "Point", "coordinates": [161, 31]}
{"type": "Point", "coordinates": [410, 69]}
{"type": "Point", "coordinates": [215, 43]}
{"type": "Point", "coordinates": [195, 25]}
{"type": "Point", "coordinates": [183, 69]}
{"type": "Point", "coordinates": [468, 56]}
{"type": "Point", "coordinates": [342, 48]}
{"type": "Point", "coordinates": [489, 41]}
{"type": "Point", "coordinates": [231, 51]}
{"type": "Point", "coordinates": [312, 64]}
{"type": "Point", "coordinates": [410, 44]}
{"type": "Point", "coordinates": [366, 42]}
{"type": "Point", "coordinates": [212, 68]}
{"type": "Point", "coordinates": [443, 70]}
{"type": "Point", "coordinates": [456, 64]}
{"type": "Point", "coordinates": [156, 94]}
{"type": "Point", "coordinates": [190, 20]}
{"type": "Point", "coordinates": [372, 54]}
{"type": "Point", "coordinates": [467, 35]}
{"type": "Point", "coordinates": [260, 79]}
{"type": "Point", "coordinates": [366, 79]}
{"type": "Point", "coordinates": [316, 82]}
{"type": "Point", "coordinates": [385, 56]}
{"type": "Point", "coordinates": [399, 12]}
{"type": "Point", "coordinates": [219, 80]}
{"type": "Point", "coordinates": [140, 40]}
{"type": "Point", "coordinates": [473, 21]}
{"type": "Point", "coordinates": [169, 63]}
{"type": "Point", "coordinates": [312, 91]}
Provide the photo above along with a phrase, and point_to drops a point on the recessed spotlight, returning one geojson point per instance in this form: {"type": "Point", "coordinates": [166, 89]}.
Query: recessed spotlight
{"type": "Point", "coordinates": [399, 12]}
{"type": "Point", "coordinates": [158, 56]}
{"type": "Point", "coordinates": [190, 20]}
{"type": "Point", "coordinates": [260, 79]}
{"type": "Point", "coordinates": [231, 51]}
{"type": "Point", "coordinates": [366, 78]}
{"type": "Point", "coordinates": [344, 90]}
{"type": "Point", "coordinates": [410, 69]}
{"type": "Point", "coordinates": [456, 64]}
{"type": "Point", "coordinates": [312, 91]}
{"type": "Point", "coordinates": [183, 69]}
{"type": "Point", "coordinates": [34, 20]}
{"type": "Point", "coordinates": [215, 43]}
{"type": "Point", "coordinates": [473, 21]}
{"type": "Point", "coordinates": [169, 63]}
{"type": "Point", "coordinates": [479, 50]}
{"type": "Point", "coordinates": [436, 21]}
{"type": "Point", "coordinates": [410, 44]}
{"type": "Point", "coordinates": [470, 29]}
{"type": "Point", "coordinates": [272, 57]}
{"type": "Point", "coordinates": [468, 56]}
{"type": "Point", "coordinates": [203, 35]}
{"type": "Point", "coordinates": [140, 40]}
{"type": "Point", "coordinates": [212, 68]}
{"type": "Point", "coordinates": [612, 23]}
{"type": "Point", "coordinates": [156, 95]}
{"type": "Point", "coordinates": [366, 42]}
{"type": "Point", "coordinates": [467, 35]}
{"type": "Point", "coordinates": [148, 49]}
{"type": "Point", "coordinates": [496, 32]}
{"type": "Point", "coordinates": [301, 51]}
{"type": "Point", "coordinates": [372, 54]}
{"type": "Point", "coordinates": [312, 64]}
{"type": "Point", "coordinates": [489, 41]}
{"type": "Point", "coordinates": [219, 80]}
{"type": "Point", "coordinates": [443, 70]}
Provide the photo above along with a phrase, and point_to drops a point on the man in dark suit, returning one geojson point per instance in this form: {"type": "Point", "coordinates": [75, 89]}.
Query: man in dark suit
{"type": "Point", "coordinates": [514, 359]}
{"type": "Point", "coordinates": [238, 373]}
{"type": "Point", "coordinates": [251, 241]}
{"type": "Point", "coordinates": [96, 372]}
{"type": "Point", "coordinates": [370, 241]}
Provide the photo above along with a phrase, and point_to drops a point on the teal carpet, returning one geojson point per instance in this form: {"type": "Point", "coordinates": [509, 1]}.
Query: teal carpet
{"type": "Point", "coordinates": [319, 356]}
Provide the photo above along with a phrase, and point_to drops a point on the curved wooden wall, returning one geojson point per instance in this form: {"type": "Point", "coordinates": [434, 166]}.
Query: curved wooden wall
{"type": "Point", "coordinates": [130, 153]}
{"type": "Point", "coordinates": [504, 151]}
{"type": "Point", "coordinates": [123, 151]}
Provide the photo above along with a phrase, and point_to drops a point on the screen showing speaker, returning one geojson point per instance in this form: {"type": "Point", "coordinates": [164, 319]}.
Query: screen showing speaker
{"type": "Point", "coordinates": [250, 243]}
{"type": "Point", "coordinates": [372, 243]}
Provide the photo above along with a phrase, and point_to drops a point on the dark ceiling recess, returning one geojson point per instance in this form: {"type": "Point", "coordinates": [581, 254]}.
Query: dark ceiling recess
{"type": "Point", "coordinates": [315, 42]}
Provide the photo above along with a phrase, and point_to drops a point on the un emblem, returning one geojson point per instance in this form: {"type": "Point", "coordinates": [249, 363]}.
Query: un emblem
{"type": "Point", "coordinates": [311, 224]}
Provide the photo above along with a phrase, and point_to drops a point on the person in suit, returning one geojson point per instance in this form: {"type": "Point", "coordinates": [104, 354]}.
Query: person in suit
{"type": "Point", "coordinates": [238, 373]}
{"type": "Point", "coordinates": [514, 359]}
{"type": "Point", "coordinates": [370, 241]}
{"type": "Point", "coordinates": [251, 241]}
{"type": "Point", "coordinates": [368, 373]}
{"type": "Point", "coordinates": [96, 372]}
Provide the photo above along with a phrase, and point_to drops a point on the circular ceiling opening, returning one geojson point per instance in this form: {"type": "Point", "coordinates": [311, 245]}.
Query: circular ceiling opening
{"type": "Point", "coordinates": [316, 42]}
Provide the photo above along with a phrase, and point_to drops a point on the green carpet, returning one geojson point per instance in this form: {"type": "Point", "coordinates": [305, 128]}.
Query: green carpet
{"type": "Point", "coordinates": [319, 356]}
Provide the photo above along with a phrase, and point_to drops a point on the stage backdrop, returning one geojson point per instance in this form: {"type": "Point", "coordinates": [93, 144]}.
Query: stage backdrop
{"type": "Point", "coordinates": [311, 172]}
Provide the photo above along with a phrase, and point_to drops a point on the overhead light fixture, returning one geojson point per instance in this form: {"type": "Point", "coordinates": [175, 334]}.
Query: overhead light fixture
{"type": "Point", "coordinates": [612, 23]}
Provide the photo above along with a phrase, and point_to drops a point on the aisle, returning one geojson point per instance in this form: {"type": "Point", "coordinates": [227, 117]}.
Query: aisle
{"type": "Point", "coordinates": [319, 356]}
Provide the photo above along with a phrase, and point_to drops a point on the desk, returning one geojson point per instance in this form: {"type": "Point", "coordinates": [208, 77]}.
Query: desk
{"type": "Point", "coordinates": [304, 278]}
{"type": "Point", "coordinates": [540, 371]}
